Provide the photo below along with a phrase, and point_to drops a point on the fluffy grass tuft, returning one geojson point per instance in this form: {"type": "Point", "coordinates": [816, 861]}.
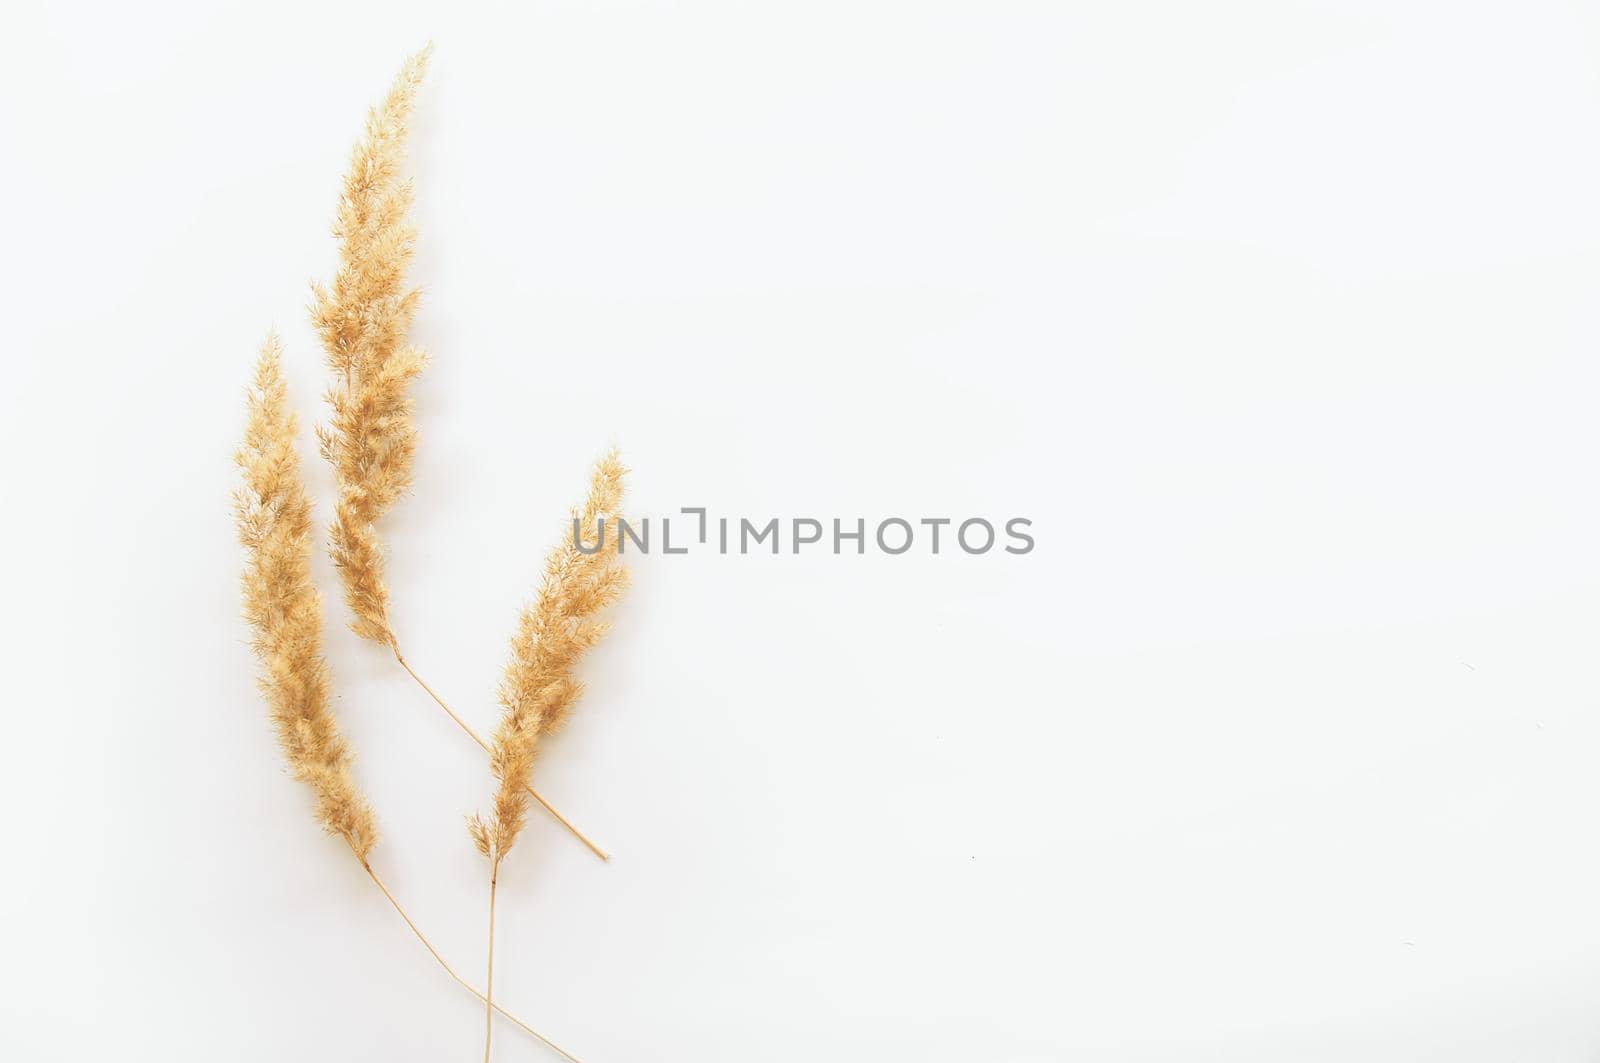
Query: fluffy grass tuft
{"type": "Point", "coordinates": [285, 611]}
{"type": "Point", "coordinates": [364, 318]}
{"type": "Point", "coordinates": [540, 686]}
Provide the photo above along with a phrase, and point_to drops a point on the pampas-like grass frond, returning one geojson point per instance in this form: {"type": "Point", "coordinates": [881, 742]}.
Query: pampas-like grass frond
{"type": "Point", "coordinates": [285, 611]}
{"type": "Point", "coordinates": [285, 614]}
{"type": "Point", "coordinates": [539, 687]}
{"type": "Point", "coordinates": [364, 318]}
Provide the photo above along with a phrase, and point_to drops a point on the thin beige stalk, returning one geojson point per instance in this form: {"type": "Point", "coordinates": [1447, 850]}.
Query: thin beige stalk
{"type": "Point", "coordinates": [462, 982]}
{"type": "Point", "coordinates": [488, 985]}
{"type": "Point", "coordinates": [470, 733]}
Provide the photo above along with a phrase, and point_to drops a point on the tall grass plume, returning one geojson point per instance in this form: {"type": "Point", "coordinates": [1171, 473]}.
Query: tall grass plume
{"type": "Point", "coordinates": [281, 604]}
{"type": "Point", "coordinates": [285, 611]}
{"type": "Point", "coordinates": [363, 318]}
{"type": "Point", "coordinates": [540, 686]}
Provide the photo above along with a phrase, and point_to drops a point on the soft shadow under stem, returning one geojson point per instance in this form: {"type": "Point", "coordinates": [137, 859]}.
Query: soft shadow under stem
{"type": "Point", "coordinates": [470, 733]}
{"type": "Point", "coordinates": [542, 1039]}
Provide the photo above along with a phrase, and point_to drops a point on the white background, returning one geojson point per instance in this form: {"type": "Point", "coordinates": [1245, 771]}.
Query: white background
{"type": "Point", "coordinates": [1277, 319]}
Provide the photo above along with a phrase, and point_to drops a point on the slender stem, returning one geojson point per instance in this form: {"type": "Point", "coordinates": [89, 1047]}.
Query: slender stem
{"type": "Point", "coordinates": [546, 805]}
{"type": "Point", "coordinates": [439, 701]}
{"type": "Point", "coordinates": [576, 833]}
{"type": "Point", "coordinates": [488, 986]}
{"type": "Point", "coordinates": [458, 979]}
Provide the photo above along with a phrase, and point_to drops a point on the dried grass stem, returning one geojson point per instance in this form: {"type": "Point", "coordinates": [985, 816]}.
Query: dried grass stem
{"type": "Point", "coordinates": [470, 733]}
{"type": "Point", "coordinates": [488, 1000]}
{"type": "Point", "coordinates": [462, 982]}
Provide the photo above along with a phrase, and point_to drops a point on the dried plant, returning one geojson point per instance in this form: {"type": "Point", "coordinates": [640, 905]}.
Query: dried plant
{"type": "Point", "coordinates": [540, 684]}
{"type": "Point", "coordinates": [284, 611]}
{"type": "Point", "coordinates": [364, 320]}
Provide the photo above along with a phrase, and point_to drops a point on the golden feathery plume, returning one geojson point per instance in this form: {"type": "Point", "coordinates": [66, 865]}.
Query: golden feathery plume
{"type": "Point", "coordinates": [364, 319]}
{"type": "Point", "coordinates": [283, 608]}
{"type": "Point", "coordinates": [285, 613]}
{"type": "Point", "coordinates": [540, 687]}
